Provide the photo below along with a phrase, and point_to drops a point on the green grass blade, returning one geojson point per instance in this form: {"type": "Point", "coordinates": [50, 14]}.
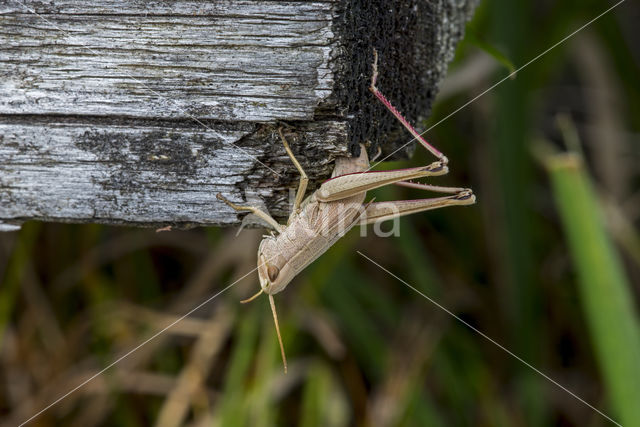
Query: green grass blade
{"type": "Point", "coordinates": [14, 274]}
{"type": "Point", "coordinates": [491, 50]}
{"type": "Point", "coordinates": [233, 408]}
{"type": "Point", "coordinates": [365, 340]}
{"type": "Point", "coordinates": [605, 292]}
{"type": "Point", "coordinates": [317, 408]}
{"type": "Point", "coordinates": [262, 407]}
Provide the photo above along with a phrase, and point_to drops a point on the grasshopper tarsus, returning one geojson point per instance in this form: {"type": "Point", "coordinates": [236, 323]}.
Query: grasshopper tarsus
{"type": "Point", "coordinates": [465, 195]}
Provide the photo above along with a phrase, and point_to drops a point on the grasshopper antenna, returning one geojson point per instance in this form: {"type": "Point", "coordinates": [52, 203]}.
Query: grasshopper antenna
{"type": "Point", "coordinates": [275, 319]}
{"type": "Point", "coordinates": [244, 301]}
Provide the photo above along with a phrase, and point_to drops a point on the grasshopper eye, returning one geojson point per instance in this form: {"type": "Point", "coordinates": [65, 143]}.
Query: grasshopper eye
{"type": "Point", "coordinates": [272, 272]}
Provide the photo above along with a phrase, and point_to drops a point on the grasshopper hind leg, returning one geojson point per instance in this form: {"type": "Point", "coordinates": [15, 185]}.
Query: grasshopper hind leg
{"type": "Point", "coordinates": [383, 211]}
{"type": "Point", "coordinates": [374, 89]}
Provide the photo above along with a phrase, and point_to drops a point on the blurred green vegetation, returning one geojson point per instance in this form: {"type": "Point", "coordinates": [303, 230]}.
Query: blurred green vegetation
{"type": "Point", "coordinates": [547, 264]}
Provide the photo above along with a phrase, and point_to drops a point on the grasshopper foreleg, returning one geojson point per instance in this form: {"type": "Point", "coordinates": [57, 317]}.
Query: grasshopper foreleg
{"type": "Point", "coordinates": [304, 179]}
{"type": "Point", "coordinates": [259, 213]}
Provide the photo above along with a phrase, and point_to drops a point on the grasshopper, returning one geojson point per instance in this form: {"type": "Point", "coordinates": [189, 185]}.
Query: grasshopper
{"type": "Point", "coordinates": [317, 222]}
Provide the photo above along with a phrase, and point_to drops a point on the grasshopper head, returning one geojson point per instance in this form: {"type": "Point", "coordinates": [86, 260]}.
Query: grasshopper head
{"type": "Point", "coordinates": [274, 272]}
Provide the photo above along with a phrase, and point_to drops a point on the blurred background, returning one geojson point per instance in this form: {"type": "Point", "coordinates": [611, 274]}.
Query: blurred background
{"type": "Point", "coordinates": [547, 264]}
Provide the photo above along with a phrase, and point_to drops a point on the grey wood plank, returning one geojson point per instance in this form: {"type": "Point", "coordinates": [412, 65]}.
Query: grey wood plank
{"type": "Point", "coordinates": [138, 112]}
{"type": "Point", "coordinates": [231, 66]}
{"type": "Point", "coordinates": [71, 170]}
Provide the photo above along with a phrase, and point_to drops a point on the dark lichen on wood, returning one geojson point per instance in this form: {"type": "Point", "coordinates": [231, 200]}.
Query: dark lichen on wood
{"type": "Point", "coordinates": [138, 113]}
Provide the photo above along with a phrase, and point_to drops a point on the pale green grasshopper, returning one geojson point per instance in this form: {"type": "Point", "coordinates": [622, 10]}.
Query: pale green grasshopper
{"type": "Point", "coordinates": [318, 221]}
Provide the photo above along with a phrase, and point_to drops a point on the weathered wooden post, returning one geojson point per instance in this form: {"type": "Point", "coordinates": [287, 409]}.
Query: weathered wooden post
{"type": "Point", "coordinates": [138, 113]}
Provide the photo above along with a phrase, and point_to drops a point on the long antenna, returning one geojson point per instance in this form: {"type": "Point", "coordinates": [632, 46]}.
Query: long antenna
{"type": "Point", "coordinates": [275, 319]}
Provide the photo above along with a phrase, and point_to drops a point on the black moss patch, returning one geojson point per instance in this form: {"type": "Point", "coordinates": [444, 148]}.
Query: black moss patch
{"type": "Point", "coordinates": [404, 34]}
